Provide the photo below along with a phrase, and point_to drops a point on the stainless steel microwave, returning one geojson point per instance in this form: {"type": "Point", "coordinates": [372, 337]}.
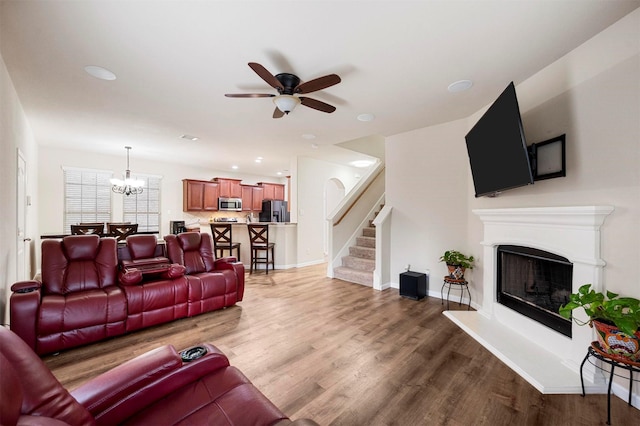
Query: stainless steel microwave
{"type": "Point", "coordinates": [230, 204]}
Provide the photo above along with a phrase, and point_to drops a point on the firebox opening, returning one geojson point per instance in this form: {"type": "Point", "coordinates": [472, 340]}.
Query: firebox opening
{"type": "Point", "coordinates": [535, 283]}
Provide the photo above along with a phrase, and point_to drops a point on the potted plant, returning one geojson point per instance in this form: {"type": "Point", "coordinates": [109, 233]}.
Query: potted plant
{"type": "Point", "coordinates": [616, 320]}
{"type": "Point", "coordinates": [457, 263]}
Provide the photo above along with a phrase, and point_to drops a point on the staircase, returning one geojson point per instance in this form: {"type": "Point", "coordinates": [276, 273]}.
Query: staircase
{"type": "Point", "coordinates": [358, 266]}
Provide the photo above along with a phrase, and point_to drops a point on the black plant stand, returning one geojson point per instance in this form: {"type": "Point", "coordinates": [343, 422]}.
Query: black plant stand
{"type": "Point", "coordinates": [462, 283]}
{"type": "Point", "coordinates": [595, 351]}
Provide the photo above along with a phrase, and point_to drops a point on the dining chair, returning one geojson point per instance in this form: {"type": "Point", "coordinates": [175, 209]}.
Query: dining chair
{"type": "Point", "coordinates": [121, 230]}
{"type": "Point", "coordinates": [96, 228]}
{"type": "Point", "coordinates": [259, 239]}
{"type": "Point", "coordinates": [223, 240]}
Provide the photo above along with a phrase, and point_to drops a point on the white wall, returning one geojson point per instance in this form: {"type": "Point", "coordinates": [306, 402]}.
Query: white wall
{"type": "Point", "coordinates": [51, 188]}
{"type": "Point", "coordinates": [312, 176]}
{"type": "Point", "coordinates": [15, 133]}
{"type": "Point", "coordinates": [596, 101]}
{"type": "Point", "coordinates": [592, 95]}
{"type": "Point", "coordinates": [426, 184]}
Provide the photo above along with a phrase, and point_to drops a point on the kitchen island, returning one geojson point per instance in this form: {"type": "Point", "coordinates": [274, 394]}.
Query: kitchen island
{"type": "Point", "coordinates": [283, 234]}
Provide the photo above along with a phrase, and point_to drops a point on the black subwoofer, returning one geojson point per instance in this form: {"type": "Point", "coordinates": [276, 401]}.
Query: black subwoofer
{"type": "Point", "coordinates": [413, 285]}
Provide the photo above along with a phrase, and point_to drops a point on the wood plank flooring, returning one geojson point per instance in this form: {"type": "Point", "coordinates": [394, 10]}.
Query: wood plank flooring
{"type": "Point", "coordinates": [344, 354]}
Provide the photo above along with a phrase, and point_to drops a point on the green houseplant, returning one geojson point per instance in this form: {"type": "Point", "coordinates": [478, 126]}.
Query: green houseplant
{"type": "Point", "coordinates": [616, 319]}
{"type": "Point", "coordinates": [457, 263]}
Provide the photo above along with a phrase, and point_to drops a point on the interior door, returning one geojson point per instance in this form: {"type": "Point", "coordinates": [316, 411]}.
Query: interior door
{"type": "Point", "coordinates": [22, 242]}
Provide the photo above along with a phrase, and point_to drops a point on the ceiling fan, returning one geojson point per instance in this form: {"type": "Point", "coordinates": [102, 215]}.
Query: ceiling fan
{"type": "Point", "coordinates": [287, 86]}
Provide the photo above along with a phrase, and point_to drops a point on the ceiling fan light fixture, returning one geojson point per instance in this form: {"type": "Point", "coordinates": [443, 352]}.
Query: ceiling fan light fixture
{"type": "Point", "coordinates": [286, 103]}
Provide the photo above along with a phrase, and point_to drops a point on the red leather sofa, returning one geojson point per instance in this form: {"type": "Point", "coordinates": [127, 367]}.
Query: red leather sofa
{"type": "Point", "coordinates": [91, 289]}
{"type": "Point", "coordinates": [206, 291]}
{"type": "Point", "coordinates": [156, 388]}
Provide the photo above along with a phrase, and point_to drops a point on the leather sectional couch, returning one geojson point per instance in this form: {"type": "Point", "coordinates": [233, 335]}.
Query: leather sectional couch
{"type": "Point", "coordinates": [92, 288]}
{"type": "Point", "coordinates": [160, 387]}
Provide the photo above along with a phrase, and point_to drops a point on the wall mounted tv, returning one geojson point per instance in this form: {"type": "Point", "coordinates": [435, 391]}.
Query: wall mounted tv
{"type": "Point", "coordinates": [497, 148]}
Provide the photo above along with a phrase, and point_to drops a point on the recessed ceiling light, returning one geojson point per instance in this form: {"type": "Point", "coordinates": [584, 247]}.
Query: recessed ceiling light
{"type": "Point", "coordinates": [99, 72]}
{"type": "Point", "coordinates": [259, 160]}
{"type": "Point", "coordinates": [460, 86]}
{"type": "Point", "coordinates": [366, 117]}
{"type": "Point", "coordinates": [234, 167]}
{"type": "Point", "coordinates": [279, 173]}
{"type": "Point", "coordinates": [189, 137]}
{"type": "Point", "coordinates": [361, 163]}
{"type": "Point", "coordinates": [308, 136]}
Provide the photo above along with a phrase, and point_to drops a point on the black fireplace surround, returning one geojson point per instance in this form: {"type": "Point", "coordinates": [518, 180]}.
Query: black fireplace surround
{"type": "Point", "coordinates": [535, 283]}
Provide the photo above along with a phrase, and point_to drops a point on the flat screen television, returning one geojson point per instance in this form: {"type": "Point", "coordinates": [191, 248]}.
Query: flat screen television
{"type": "Point", "coordinates": [497, 148]}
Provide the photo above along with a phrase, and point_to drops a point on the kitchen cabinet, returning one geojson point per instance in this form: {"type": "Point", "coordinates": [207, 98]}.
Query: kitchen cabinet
{"type": "Point", "coordinates": [272, 191]}
{"type": "Point", "coordinates": [257, 194]}
{"type": "Point", "coordinates": [247, 197]}
{"type": "Point", "coordinates": [199, 195]}
{"type": "Point", "coordinates": [229, 188]}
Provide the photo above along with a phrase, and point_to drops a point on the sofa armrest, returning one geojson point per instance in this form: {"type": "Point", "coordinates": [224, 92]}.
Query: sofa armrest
{"type": "Point", "coordinates": [130, 276]}
{"type": "Point", "coordinates": [117, 394]}
{"type": "Point", "coordinates": [26, 286]}
{"type": "Point", "coordinates": [23, 310]}
{"type": "Point", "coordinates": [237, 268]}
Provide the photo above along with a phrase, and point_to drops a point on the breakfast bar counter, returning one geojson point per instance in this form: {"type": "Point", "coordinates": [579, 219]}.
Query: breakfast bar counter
{"type": "Point", "coordinates": [283, 234]}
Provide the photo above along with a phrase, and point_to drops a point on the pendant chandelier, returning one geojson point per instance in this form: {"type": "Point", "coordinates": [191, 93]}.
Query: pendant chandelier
{"type": "Point", "coordinates": [127, 186]}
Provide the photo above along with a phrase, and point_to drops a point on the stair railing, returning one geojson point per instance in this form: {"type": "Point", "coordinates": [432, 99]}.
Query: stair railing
{"type": "Point", "coordinates": [353, 213]}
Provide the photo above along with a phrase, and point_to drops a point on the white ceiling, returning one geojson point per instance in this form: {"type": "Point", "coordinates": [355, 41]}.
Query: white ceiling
{"type": "Point", "coordinates": [175, 60]}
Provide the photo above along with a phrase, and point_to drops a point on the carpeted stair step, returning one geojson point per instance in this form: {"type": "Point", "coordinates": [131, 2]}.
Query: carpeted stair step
{"type": "Point", "coordinates": [354, 275]}
{"type": "Point", "coordinates": [366, 242]}
{"type": "Point", "coordinates": [369, 232]}
{"type": "Point", "coordinates": [363, 252]}
{"type": "Point", "coordinates": [359, 263]}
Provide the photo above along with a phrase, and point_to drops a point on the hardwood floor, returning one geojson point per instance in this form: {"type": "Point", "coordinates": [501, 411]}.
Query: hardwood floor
{"type": "Point", "coordinates": [344, 354]}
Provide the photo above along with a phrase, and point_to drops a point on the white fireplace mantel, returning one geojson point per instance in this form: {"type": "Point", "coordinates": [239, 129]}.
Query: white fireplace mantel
{"type": "Point", "coordinates": [547, 359]}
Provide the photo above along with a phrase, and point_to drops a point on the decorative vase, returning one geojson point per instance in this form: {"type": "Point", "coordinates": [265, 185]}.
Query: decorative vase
{"type": "Point", "coordinates": [456, 271]}
{"type": "Point", "coordinates": [616, 343]}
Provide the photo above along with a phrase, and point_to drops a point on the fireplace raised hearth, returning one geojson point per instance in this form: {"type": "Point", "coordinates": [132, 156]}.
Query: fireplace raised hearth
{"type": "Point", "coordinates": [534, 283]}
{"type": "Point", "coordinates": [548, 359]}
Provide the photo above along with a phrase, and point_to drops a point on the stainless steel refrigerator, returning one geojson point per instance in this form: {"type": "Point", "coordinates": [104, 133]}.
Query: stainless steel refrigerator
{"type": "Point", "coordinates": [274, 211]}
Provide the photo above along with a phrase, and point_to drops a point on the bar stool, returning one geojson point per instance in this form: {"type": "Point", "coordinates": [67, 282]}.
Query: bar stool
{"type": "Point", "coordinates": [88, 228]}
{"type": "Point", "coordinates": [259, 238]}
{"type": "Point", "coordinates": [462, 283]}
{"type": "Point", "coordinates": [223, 240]}
{"type": "Point", "coordinates": [121, 230]}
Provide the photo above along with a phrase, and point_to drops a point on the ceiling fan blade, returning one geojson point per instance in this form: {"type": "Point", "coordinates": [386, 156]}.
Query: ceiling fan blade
{"type": "Point", "coordinates": [316, 104]}
{"type": "Point", "coordinates": [249, 95]}
{"type": "Point", "coordinates": [266, 75]}
{"type": "Point", "coordinates": [277, 113]}
{"type": "Point", "coordinates": [318, 84]}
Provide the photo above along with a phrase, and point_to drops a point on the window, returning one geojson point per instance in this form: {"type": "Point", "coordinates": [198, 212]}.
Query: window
{"type": "Point", "coordinates": [144, 209]}
{"type": "Point", "coordinates": [87, 196]}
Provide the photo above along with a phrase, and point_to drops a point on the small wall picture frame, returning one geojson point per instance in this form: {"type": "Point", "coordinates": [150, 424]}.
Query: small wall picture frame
{"type": "Point", "coordinates": [550, 158]}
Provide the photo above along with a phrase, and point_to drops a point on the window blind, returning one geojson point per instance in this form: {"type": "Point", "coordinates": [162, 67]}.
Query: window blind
{"type": "Point", "coordinates": [144, 209]}
{"type": "Point", "coordinates": [87, 196]}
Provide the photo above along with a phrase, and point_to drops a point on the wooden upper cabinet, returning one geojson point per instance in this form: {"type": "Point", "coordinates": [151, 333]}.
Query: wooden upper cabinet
{"type": "Point", "coordinates": [229, 188]}
{"type": "Point", "coordinates": [202, 195]}
{"type": "Point", "coordinates": [211, 195]}
{"type": "Point", "coordinates": [199, 195]}
{"type": "Point", "coordinates": [247, 197]}
{"type": "Point", "coordinates": [272, 191]}
{"type": "Point", "coordinates": [256, 203]}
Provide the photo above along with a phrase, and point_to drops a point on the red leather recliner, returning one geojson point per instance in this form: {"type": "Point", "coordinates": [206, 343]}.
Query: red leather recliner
{"type": "Point", "coordinates": [213, 283]}
{"type": "Point", "coordinates": [156, 290]}
{"type": "Point", "coordinates": [77, 300]}
{"type": "Point", "coordinates": [156, 388]}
